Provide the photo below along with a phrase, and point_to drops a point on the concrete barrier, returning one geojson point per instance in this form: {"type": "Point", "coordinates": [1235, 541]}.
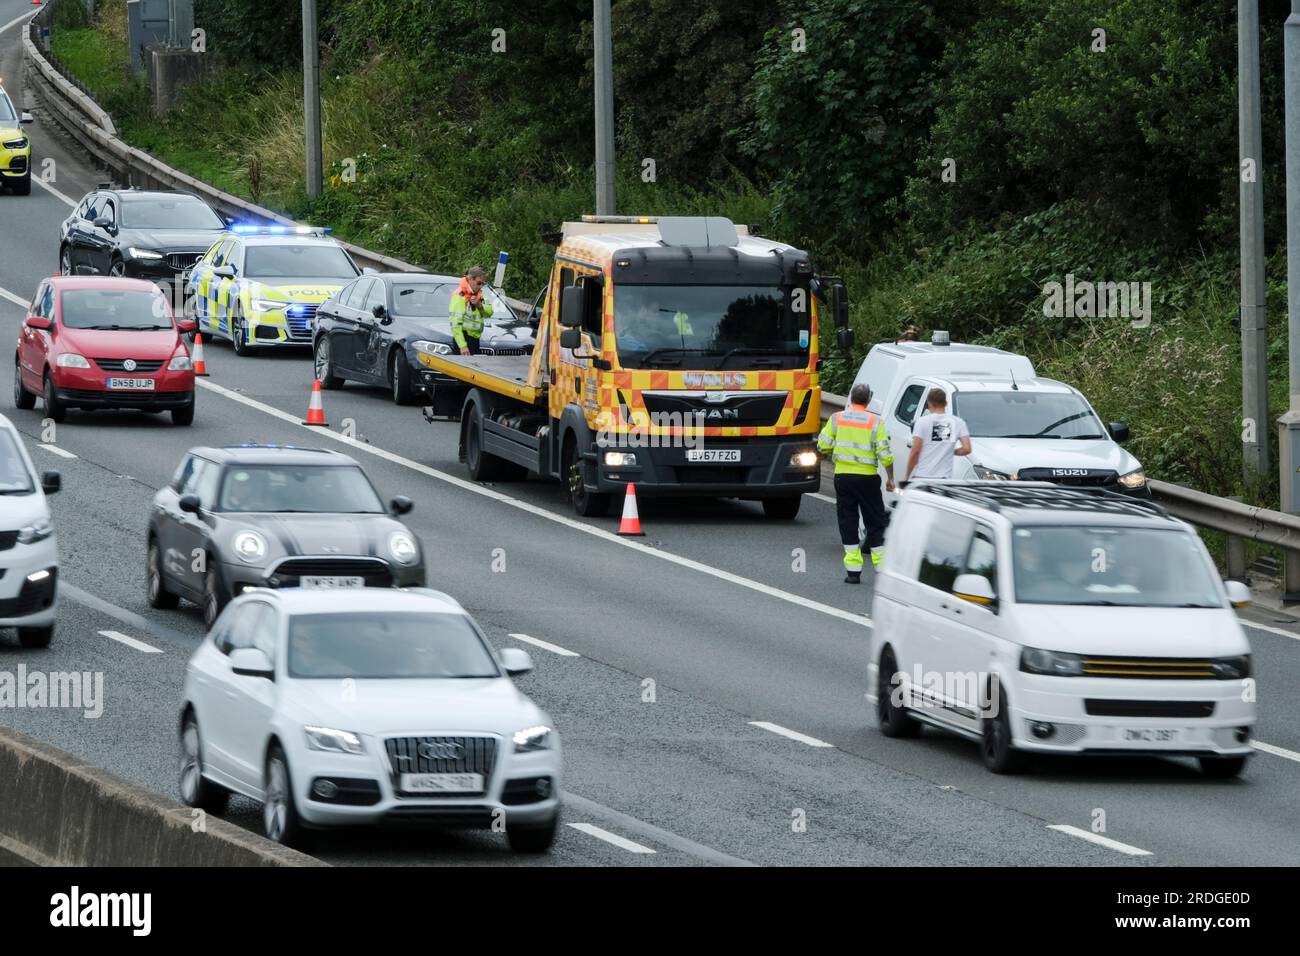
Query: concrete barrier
{"type": "Point", "coordinates": [59, 810]}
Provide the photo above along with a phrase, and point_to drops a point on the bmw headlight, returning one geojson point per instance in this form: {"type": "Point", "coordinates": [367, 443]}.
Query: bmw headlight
{"type": "Point", "coordinates": [38, 531]}
{"type": "Point", "coordinates": [135, 253]}
{"type": "Point", "coordinates": [988, 474]}
{"type": "Point", "coordinates": [250, 546]}
{"type": "Point", "coordinates": [72, 360]}
{"type": "Point", "coordinates": [1134, 479]}
{"type": "Point", "coordinates": [532, 738]}
{"type": "Point", "coordinates": [433, 348]}
{"type": "Point", "coordinates": [267, 305]}
{"type": "Point", "coordinates": [403, 548]}
{"type": "Point", "coordinates": [1053, 663]}
{"type": "Point", "coordinates": [335, 741]}
{"type": "Point", "coordinates": [15, 144]}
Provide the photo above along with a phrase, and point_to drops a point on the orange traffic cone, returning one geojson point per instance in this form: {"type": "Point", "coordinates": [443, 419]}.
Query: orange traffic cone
{"type": "Point", "coordinates": [316, 408]}
{"type": "Point", "coordinates": [631, 523]}
{"type": "Point", "coordinates": [196, 358]}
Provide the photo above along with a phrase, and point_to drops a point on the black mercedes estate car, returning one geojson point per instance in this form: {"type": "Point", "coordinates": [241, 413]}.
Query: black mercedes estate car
{"type": "Point", "coordinates": [278, 517]}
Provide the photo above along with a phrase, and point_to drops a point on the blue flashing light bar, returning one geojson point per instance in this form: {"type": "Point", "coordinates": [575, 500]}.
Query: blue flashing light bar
{"type": "Point", "coordinates": [246, 229]}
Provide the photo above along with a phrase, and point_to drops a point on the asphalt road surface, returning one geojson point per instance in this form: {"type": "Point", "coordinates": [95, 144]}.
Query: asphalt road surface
{"type": "Point", "coordinates": [693, 652]}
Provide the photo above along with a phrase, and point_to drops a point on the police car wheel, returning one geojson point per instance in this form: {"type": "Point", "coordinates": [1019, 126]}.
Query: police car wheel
{"type": "Point", "coordinates": [239, 336]}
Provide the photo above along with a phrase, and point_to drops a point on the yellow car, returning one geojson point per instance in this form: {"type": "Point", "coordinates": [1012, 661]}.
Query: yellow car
{"type": "Point", "coordinates": [261, 285]}
{"type": "Point", "coordinates": [15, 147]}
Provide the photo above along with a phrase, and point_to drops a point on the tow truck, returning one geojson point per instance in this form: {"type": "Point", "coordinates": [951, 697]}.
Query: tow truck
{"type": "Point", "coordinates": [680, 354]}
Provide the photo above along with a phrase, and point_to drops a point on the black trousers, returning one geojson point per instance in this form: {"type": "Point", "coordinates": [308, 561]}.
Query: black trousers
{"type": "Point", "coordinates": [860, 494]}
{"type": "Point", "coordinates": [471, 342]}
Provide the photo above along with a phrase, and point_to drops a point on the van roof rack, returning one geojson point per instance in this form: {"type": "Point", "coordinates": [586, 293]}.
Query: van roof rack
{"type": "Point", "coordinates": [1000, 496]}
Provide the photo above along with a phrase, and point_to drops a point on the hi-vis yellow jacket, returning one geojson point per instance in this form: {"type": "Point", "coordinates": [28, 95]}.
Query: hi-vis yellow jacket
{"type": "Point", "coordinates": [857, 441]}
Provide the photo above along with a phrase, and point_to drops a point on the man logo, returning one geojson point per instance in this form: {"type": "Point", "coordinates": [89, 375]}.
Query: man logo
{"type": "Point", "coordinates": [440, 750]}
{"type": "Point", "coordinates": [721, 413]}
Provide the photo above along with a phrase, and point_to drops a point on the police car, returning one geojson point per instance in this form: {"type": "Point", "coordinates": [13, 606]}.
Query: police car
{"type": "Point", "coordinates": [15, 147]}
{"type": "Point", "coordinates": [261, 285]}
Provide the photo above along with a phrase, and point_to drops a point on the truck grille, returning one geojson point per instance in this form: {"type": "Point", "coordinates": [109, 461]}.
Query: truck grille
{"type": "Point", "coordinates": [455, 755]}
{"type": "Point", "coordinates": [1148, 668]}
{"type": "Point", "coordinates": [142, 366]}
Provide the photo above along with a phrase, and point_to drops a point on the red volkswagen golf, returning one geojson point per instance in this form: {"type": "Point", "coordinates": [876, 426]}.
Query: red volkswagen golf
{"type": "Point", "coordinates": [100, 342]}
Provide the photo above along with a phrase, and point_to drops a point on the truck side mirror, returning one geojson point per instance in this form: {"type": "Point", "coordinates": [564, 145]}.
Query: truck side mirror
{"type": "Point", "coordinates": [571, 339]}
{"type": "Point", "coordinates": [844, 338]}
{"type": "Point", "coordinates": [573, 306]}
{"type": "Point", "coordinates": [840, 295]}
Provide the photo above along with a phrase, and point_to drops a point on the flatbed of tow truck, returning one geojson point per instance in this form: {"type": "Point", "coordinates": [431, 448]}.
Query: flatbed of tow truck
{"type": "Point", "coordinates": [501, 374]}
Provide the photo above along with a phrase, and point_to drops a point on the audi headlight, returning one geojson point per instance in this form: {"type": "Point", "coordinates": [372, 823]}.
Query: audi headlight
{"type": "Point", "coordinates": [620, 459]}
{"type": "Point", "coordinates": [180, 362]}
{"type": "Point", "coordinates": [335, 741]}
{"type": "Point", "coordinates": [532, 738]}
{"type": "Point", "coordinates": [433, 348]}
{"type": "Point", "coordinates": [988, 474]}
{"type": "Point", "coordinates": [267, 305]}
{"type": "Point", "coordinates": [1134, 479]}
{"type": "Point", "coordinates": [803, 459]}
{"type": "Point", "coordinates": [38, 531]}
{"type": "Point", "coordinates": [1232, 668]}
{"type": "Point", "coordinates": [402, 547]}
{"type": "Point", "coordinates": [250, 546]}
{"type": "Point", "coordinates": [1054, 663]}
{"type": "Point", "coordinates": [135, 253]}
{"type": "Point", "coordinates": [72, 360]}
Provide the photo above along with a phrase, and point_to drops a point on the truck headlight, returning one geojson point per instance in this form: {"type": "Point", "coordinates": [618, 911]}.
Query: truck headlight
{"type": "Point", "coordinates": [532, 738]}
{"type": "Point", "coordinates": [38, 531]}
{"type": "Point", "coordinates": [1134, 479]}
{"type": "Point", "coordinates": [988, 474]}
{"type": "Point", "coordinates": [433, 348]}
{"type": "Point", "coordinates": [803, 459]}
{"type": "Point", "coordinates": [334, 741]}
{"type": "Point", "coordinates": [402, 547]}
{"type": "Point", "coordinates": [620, 459]}
{"type": "Point", "coordinates": [250, 546]}
{"type": "Point", "coordinates": [135, 253]}
{"type": "Point", "coordinates": [72, 360]}
{"type": "Point", "coordinates": [1054, 663]}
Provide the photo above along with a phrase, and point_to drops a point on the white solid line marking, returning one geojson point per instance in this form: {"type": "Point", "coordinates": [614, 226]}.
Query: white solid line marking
{"type": "Point", "coordinates": [860, 619]}
{"type": "Point", "coordinates": [1098, 839]}
{"type": "Point", "coordinates": [592, 830]}
{"type": "Point", "coordinates": [131, 642]}
{"type": "Point", "coordinates": [17, 20]}
{"type": "Point", "coordinates": [48, 188]}
{"type": "Point", "coordinates": [1247, 622]}
{"type": "Point", "coordinates": [56, 450]}
{"type": "Point", "coordinates": [21, 303]}
{"type": "Point", "coordinates": [821, 497]}
{"type": "Point", "coordinates": [1275, 751]}
{"type": "Point", "coordinates": [792, 734]}
{"type": "Point", "coordinates": [545, 645]}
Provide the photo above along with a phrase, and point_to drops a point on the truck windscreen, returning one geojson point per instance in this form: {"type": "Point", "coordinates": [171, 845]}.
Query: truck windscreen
{"type": "Point", "coordinates": [710, 327]}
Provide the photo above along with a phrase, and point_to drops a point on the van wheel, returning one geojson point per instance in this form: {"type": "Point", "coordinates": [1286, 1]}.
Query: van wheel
{"type": "Point", "coordinates": [35, 636]}
{"type": "Point", "coordinates": [22, 397]}
{"type": "Point", "coordinates": [1222, 768]}
{"type": "Point", "coordinates": [894, 720]}
{"type": "Point", "coordinates": [782, 509]}
{"type": "Point", "coordinates": [586, 504]}
{"type": "Point", "coordinates": [997, 747]}
{"type": "Point", "coordinates": [196, 790]}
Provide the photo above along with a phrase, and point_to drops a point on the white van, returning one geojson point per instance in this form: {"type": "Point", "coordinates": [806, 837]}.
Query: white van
{"type": "Point", "coordinates": [1030, 617]}
{"type": "Point", "coordinates": [29, 552]}
{"type": "Point", "coordinates": [1021, 426]}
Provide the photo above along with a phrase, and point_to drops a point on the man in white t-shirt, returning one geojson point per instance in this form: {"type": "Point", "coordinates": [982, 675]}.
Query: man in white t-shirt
{"type": "Point", "coordinates": [936, 438]}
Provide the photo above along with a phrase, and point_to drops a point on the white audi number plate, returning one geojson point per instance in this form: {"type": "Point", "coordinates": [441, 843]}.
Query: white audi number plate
{"type": "Point", "coordinates": [1152, 735]}
{"type": "Point", "coordinates": [331, 581]}
{"type": "Point", "coordinates": [441, 782]}
{"type": "Point", "coordinates": [713, 454]}
{"type": "Point", "coordinates": [131, 384]}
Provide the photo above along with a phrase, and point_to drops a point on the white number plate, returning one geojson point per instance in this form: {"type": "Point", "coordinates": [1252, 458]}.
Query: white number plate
{"type": "Point", "coordinates": [441, 782]}
{"type": "Point", "coordinates": [713, 454]}
{"type": "Point", "coordinates": [132, 384]}
{"type": "Point", "coordinates": [1152, 735]}
{"type": "Point", "coordinates": [331, 581]}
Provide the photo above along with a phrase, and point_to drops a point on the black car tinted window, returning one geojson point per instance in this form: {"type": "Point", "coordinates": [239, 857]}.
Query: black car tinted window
{"type": "Point", "coordinates": [180, 213]}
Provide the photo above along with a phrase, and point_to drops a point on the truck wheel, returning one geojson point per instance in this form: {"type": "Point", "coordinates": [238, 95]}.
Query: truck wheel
{"type": "Point", "coordinates": [586, 504]}
{"type": "Point", "coordinates": [482, 466]}
{"type": "Point", "coordinates": [782, 509]}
